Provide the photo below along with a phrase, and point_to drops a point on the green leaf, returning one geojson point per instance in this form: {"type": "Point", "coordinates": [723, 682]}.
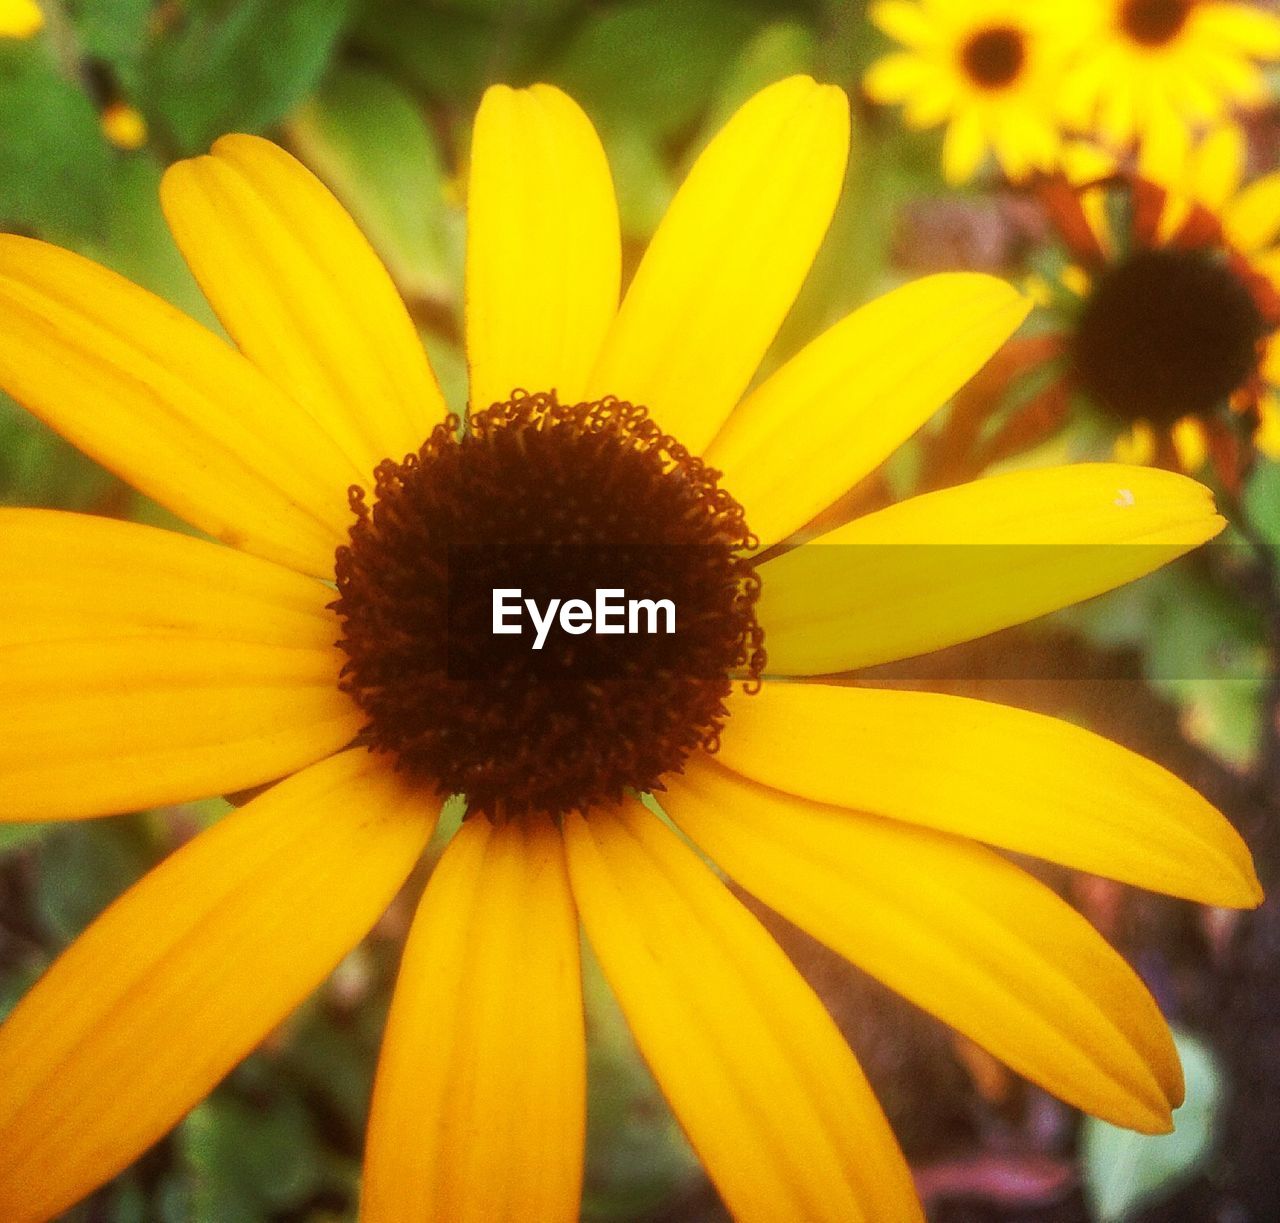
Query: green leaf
{"type": "Point", "coordinates": [239, 66]}
{"type": "Point", "coordinates": [452, 53]}
{"type": "Point", "coordinates": [1262, 500]}
{"type": "Point", "coordinates": [54, 160]}
{"type": "Point", "coordinates": [84, 866]}
{"type": "Point", "coordinates": [641, 177]}
{"type": "Point", "coordinates": [1124, 1170]}
{"type": "Point", "coordinates": [137, 242]}
{"type": "Point", "coordinates": [37, 468]}
{"type": "Point", "coordinates": [527, 12]}
{"type": "Point", "coordinates": [781, 49]}
{"type": "Point", "coordinates": [112, 30]}
{"type": "Point", "coordinates": [368, 140]}
{"type": "Point", "coordinates": [249, 1162]}
{"type": "Point", "coordinates": [1201, 647]}
{"type": "Point", "coordinates": [15, 836]}
{"type": "Point", "coordinates": [637, 1155]}
{"type": "Point", "coordinates": [653, 65]}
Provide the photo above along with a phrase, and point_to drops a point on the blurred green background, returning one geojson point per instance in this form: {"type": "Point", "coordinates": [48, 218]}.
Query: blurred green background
{"type": "Point", "coordinates": [377, 96]}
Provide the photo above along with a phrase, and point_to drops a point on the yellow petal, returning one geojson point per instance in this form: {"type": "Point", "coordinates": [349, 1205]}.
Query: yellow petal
{"type": "Point", "coordinates": [479, 1111]}
{"type": "Point", "coordinates": [908, 23]}
{"type": "Point", "coordinates": [1267, 438]}
{"type": "Point", "coordinates": [755, 1070]}
{"type": "Point", "coordinates": [188, 970]}
{"type": "Point", "coordinates": [728, 259]}
{"type": "Point", "coordinates": [955, 928]}
{"type": "Point", "coordinates": [954, 565]}
{"type": "Point", "coordinates": [1135, 445]}
{"type": "Point", "coordinates": [963, 147]}
{"type": "Point", "coordinates": [898, 76]}
{"type": "Point", "coordinates": [108, 723]}
{"type": "Point", "coordinates": [1191, 441]}
{"type": "Point", "coordinates": [1013, 779]}
{"type": "Point", "coordinates": [544, 255]}
{"type": "Point", "coordinates": [838, 409]}
{"type": "Point", "coordinates": [169, 407]}
{"type": "Point", "coordinates": [1245, 29]}
{"type": "Point", "coordinates": [1219, 164]}
{"type": "Point", "coordinates": [300, 290]}
{"type": "Point", "coordinates": [70, 576]}
{"type": "Point", "coordinates": [1252, 219]}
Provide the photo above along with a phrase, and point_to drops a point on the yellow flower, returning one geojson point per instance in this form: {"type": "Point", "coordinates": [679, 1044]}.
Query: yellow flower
{"type": "Point", "coordinates": [1155, 71]}
{"type": "Point", "coordinates": [1174, 305]}
{"type": "Point", "coordinates": [143, 668]}
{"type": "Point", "coordinates": [988, 69]}
{"type": "Point", "coordinates": [20, 19]}
{"type": "Point", "coordinates": [124, 126]}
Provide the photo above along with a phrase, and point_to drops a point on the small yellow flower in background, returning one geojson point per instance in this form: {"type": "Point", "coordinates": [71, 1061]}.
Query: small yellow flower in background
{"type": "Point", "coordinates": [124, 126]}
{"type": "Point", "coordinates": [1156, 72]}
{"type": "Point", "coordinates": [20, 19]}
{"type": "Point", "coordinates": [988, 69]}
{"type": "Point", "coordinates": [142, 668]}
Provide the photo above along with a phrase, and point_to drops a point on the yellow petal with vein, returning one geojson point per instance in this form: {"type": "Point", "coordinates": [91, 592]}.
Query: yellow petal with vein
{"type": "Point", "coordinates": [189, 969]}
{"type": "Point", "coordinates": [169, 407]}
{"type": "Point", "coordinates": [544, 255]}
{"type": "Point", "coordinates": [109, 723]}
{"type": "Point", "coordinates": [954, 565]}
{"type": "Point", "coordinates": [1017, 780]}
{"type": "Point", "coordinates": [755, 1069]}
{"type": "Point", "coordinates": [838, 409]}
{"type": "Point", "coordinates": [728, 260]}
{"type": "Point", "coordinates": [73, 576]}
{"type": "Point", "coordinates": [479, 1111]}
{"type": "Point", "coordinates": [300, 290]}
{"type": "Point", "coordinates": [955, 928]}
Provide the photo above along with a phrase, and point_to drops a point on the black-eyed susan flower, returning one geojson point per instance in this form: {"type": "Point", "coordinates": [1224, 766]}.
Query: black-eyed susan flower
{"type": "Point", "coordinates": [989, 70]}
{"type": "Point", "coordinates": [1158, 71]}
{"type": "Point", "coordinates": [1170, 306]}
{"type": "Point", "coordinates": [20, 18]}
{"type": "Point", "coordinates": [141, 668]}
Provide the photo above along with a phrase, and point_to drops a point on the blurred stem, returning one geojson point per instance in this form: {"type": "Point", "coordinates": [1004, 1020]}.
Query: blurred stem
{"type": "Point", "coordinates": [62, 38]}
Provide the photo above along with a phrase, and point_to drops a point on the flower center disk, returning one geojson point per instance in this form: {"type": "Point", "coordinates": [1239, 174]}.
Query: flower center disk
{"type": "Point", "coordinates": [993, 58]}
{"type": "Point", "coordinates": [557, 502]}
{"type": "Point", "coordinates": [1166, 334]}
{"type": "Point", "coordinates": [1153, 23]}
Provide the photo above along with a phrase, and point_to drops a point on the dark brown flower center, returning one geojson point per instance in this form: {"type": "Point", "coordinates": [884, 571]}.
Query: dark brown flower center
{"type": "Point", "coordinates": [993, 58]}
{"type": "Point", "coordinates": [559, 503]}
{"type": "Point", "coordinates": [1165, 334]}
{"type": "Point", "coordinates": [1153, 23]}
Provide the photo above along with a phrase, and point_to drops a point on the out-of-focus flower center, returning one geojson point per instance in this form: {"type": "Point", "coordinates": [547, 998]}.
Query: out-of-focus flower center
{"type": "Point", "coordinates": [533, 505]}
{"type": "Point", "coordinates": [993, 58]}
{"type": "Point", "coordinates": [1167, 333]}
{"type": "Point", "coordinates": [1153, 23]}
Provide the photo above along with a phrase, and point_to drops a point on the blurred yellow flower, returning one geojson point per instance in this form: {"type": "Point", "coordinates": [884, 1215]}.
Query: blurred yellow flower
{"type": "Point", "coordinates": [124, 126]}
{"type": "Point", "coordinates": [20, 18]}
{"type": "Point", "coordinates": [142, 667]}
{"type": "Point", "coordinates": [1174, 308]}
{"type": "Point", "coordinates": [989, 69]}
{"type": "Point", "coordinates": [1156, 71]}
